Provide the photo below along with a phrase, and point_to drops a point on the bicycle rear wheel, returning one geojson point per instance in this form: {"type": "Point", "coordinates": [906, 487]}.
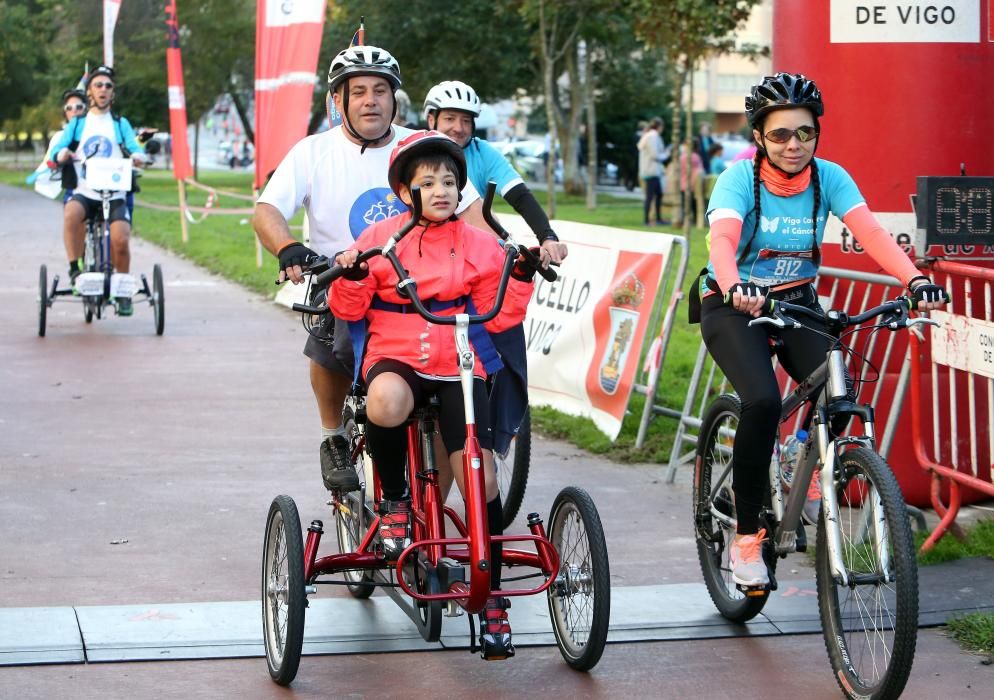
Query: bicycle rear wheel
{"type": "Point", "coordinates": [350, 526]}
{"type": "Point", "coordinates": [512, 471]}
{"type": "Point", "coordinates": [870, 624]}
{"type": "Point", "coordinates": [714, 510]}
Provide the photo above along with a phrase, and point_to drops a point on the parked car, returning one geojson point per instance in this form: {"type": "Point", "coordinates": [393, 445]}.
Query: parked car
{"type": "Point", "coordinates": [528, 158]}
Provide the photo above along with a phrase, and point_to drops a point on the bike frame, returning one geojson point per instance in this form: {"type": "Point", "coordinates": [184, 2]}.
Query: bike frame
{"type": "Point", "coordinates": [430, 545]}
{"type": "Point", "coordinates": [826, 389]}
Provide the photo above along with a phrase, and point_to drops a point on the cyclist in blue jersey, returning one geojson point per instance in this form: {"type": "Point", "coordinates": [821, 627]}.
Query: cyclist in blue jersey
{"type": "Point", "coordinates": [99, 134]}
{"type": "Point", "coordinates": [452, 107]}
{"type": "Point", "coordinates": [767, 220]}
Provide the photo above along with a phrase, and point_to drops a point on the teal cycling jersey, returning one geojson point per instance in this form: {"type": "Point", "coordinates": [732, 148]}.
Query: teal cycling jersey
{"type": "Point", "coordinates": [485, 163]}
{"type": "Point", "coordinates": [781, 250]}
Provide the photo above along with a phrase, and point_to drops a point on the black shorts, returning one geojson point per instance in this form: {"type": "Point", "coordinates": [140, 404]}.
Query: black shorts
{"type": "Point", "coordinates": [332, 348]}
{"type": "Point", "coordinates": [451, 413]}
{"type": "Point", "coordinates": [93, 207]}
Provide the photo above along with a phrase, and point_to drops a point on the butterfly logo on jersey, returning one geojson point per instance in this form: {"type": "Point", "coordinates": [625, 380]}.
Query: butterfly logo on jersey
{"type": "Point", "coordinates": [377, 204]}
{"type": "Point", "coordinates": [769, 225]}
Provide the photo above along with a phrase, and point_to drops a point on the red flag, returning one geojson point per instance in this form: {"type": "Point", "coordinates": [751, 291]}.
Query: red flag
{"type": "Point", "coordinates": [177, 98]}
{"type": "Point", "coordinates": [287, 42]}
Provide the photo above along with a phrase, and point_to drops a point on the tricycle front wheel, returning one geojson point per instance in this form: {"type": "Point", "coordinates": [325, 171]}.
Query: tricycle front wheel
{"type": "Point", "coordinates": [283, 594]}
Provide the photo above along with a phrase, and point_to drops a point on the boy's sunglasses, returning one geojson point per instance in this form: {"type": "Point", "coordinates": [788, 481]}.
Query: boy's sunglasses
{"type": "Point", "coordinates": [803, 134]}
{"type": "Point", "coordinates": [100, 86]}
{"type": "Point", "coordinates": [78, 107]}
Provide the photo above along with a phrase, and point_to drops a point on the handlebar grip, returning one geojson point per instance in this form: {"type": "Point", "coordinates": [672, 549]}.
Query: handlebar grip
{"type": "Point", "coordinates": [548, 273]}
{"type": "Point", "coordinates": [312, 310]}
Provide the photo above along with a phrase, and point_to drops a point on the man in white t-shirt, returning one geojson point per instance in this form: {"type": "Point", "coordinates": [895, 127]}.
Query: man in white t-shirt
{"type": "Point", "coordinates": [340, 178]}
{"type": "Point", "coordinates": [99, 134]}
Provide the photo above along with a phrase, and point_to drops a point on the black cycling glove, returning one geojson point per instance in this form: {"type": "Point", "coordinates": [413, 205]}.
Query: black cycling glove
{"type": "Point", "coordinates": [295, 254]}
{"type": "Point", "coordinates": [928, 292]}
{"type": "Point", "coordinates": [524, 270]}
{"type": "Point", "coordinates": [746, 289]}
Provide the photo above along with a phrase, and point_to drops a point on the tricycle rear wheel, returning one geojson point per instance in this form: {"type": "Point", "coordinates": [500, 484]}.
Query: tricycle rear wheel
{"type": "Point", "coordinates": [580, 598]}
{"type": "Point", "coordinates": [283, 594]}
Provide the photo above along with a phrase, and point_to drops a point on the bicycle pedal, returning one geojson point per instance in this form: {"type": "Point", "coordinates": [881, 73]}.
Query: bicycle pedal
{"type": "Point", "coordinates": [753, 591]}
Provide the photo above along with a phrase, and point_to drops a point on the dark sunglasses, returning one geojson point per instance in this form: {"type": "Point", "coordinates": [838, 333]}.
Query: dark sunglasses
{"type": "Point", "coordinates": [803, 134]}
{"type": "Point", "coordinates": [103, 85]}
{"type": "Point", "coordinates": [74, 108]}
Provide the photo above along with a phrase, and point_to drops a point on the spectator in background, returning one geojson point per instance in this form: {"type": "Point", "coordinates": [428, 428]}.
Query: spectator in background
{"type": "Point", "coordinates": [652, 153]}
{"type": "Point", "coordinates": [402, 118]}
{"type": "Point", "coordinates": [691, 173]}
{"type": "Point", "coordinates": [716, 162]}
{"type": "Point", "coordinates": [705, 141]}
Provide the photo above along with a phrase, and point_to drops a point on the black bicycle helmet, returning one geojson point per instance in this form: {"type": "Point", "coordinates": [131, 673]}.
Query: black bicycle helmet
{"type": "Point", "coordinates": [99, 70]}
{"type": "Point", "coordinates": [420, 144]}
{"type": "Point", "coordinates": [782, 91]}
{"type": "Point", "coordinates": [363, 60]}
{"type": "Point", "coordinates": [73, 92]}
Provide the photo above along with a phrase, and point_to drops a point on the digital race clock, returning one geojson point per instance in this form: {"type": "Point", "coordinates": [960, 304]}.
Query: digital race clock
{"type": "Point", "coordinates": [956, 210]}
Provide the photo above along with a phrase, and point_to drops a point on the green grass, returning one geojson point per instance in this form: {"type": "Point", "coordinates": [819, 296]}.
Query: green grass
{"type": "Point", "coordinates": [979, 543]}
{"type": "Point", "coordinates": [226, 244]}
{"type": "Point", "coordinates": [974, 632]}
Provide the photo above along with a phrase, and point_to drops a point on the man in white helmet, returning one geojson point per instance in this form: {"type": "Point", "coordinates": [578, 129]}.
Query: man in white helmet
{"type": "Point", "coordinates": [340, 178]}
{"type": "Point", "coordinates": [452, 107]}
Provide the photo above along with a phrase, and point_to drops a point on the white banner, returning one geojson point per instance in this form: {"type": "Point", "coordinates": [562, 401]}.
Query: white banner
{"type": "Point", "coordinates": [111, 10]}
{"type": "Point", "coordinates": [585, 332]}
{"type": "Point", "coordinates": [904, 22]}
{"type": "Point", "coordinates": [963, 343]}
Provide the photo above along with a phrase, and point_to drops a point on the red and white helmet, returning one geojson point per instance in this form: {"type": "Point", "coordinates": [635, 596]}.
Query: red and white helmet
{"type": "Point", "coordinates": [421, 144]}
{"type": "Point", "coordinates": [452, 94]}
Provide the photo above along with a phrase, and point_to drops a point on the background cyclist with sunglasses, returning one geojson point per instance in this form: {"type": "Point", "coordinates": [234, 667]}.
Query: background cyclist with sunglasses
{"type": "Point", "coordinates": [767, 219]}
{"type": "Point", "coordinates": [98, 134]}
{"type": "Point", "coordinates": [73, 105]}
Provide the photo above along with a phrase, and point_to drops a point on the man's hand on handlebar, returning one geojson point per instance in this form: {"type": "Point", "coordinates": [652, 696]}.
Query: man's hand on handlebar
{"type": "Point", "coordinates": [747, 297]}
{"type": "Point", "coordinates": [293, 257]}
{"type": "Point", "coordinates": [347, 259]}
{"type": "Point", "coordinates": [553, 252]}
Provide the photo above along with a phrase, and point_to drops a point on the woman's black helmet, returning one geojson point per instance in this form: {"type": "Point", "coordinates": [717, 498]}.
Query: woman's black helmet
{"type": "Point", "coordinates": [782, 91]}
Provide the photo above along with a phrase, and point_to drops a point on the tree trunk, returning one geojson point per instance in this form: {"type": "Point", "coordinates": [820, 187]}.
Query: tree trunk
{"type": "Point", "coordinates": [591, 107]}
{"type": "Point", "coordinates": [568, 142]}
{"type": "Point", "coordinates": [688, 191]}
{"type": "Point", "coordinates": [548, 80]}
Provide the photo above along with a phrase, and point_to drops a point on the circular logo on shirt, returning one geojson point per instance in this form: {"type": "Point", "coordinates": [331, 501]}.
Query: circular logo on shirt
{"type": "Point", "coordinates": [97, 146]}
{"type": "Point", "coordinates": [373, 205]}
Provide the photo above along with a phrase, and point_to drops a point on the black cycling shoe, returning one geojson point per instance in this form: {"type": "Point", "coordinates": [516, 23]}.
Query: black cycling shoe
{"type": "Point", "coordinates": [336, 466]}
{"type": "Point", "coordinates": [495, 631]}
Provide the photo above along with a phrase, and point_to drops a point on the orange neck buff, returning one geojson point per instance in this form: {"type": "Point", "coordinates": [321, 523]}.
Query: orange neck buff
{"type": "Point", "coordinates": [778, 183]}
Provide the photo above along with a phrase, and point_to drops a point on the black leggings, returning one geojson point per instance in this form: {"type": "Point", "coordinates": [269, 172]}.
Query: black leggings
{"type": "Point", "coordinates": [743, 354]}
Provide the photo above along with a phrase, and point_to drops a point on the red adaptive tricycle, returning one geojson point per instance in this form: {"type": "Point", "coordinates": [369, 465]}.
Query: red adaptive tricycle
{"type": "Point", "coordinates": [441, 570]}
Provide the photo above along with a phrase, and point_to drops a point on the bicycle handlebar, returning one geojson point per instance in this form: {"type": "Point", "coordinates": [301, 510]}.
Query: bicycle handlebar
{"type": "Point", "coordinates": [776, 315]}
{"type": "Point", "coordinates": [488, 216]}
{"type": "Point", "coordinates": [407, 287]}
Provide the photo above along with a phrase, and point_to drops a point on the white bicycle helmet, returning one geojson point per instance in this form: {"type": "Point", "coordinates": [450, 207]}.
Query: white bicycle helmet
{"type": "Point", "coordinates": [452, 94]}
{"type": "Point", "coordinates": [363, 60]}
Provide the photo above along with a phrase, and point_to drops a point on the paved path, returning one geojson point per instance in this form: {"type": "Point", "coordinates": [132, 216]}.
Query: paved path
{"type": "Point", "coordinates": [137, 470]}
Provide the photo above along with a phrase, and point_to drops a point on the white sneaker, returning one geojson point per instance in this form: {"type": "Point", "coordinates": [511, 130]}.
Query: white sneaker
{"type": "Point", "coordinates": [746, 556]}
{"type": "Point", "coordinates": [812, 506]}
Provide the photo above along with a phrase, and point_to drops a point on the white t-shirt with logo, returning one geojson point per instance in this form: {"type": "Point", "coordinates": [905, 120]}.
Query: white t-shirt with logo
{"type": "Point", "coordinates": [97, 140]}
{"type": "Point", "coordinates": [342, 189]}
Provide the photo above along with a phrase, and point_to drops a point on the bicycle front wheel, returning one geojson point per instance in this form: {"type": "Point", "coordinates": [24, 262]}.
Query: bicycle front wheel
{"type": "Point", "coordinates": [714, 510]}
{"type": "Point", "coordinates": [870, 623]}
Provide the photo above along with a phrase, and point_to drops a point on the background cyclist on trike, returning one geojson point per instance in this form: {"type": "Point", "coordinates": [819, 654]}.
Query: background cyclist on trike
{"type": "Point", "coordinates": [458, 268]}
{"type": "Point", "coordinates": [99, 134]}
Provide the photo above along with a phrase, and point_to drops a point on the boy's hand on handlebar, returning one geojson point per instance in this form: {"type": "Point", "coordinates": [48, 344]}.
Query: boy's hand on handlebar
{"type": "Point", "coordinates": [524, 270]}
{"type": "Point", "coordinates": [553, 252]}
{"type": "Point", "coordinates": [747, 297]}
{"type": "Point", "coordinates": [293, 257]}
{"type": "Point", "coordinates": [347, 259]}
{"type": "Point", "coordinates": [926, 296]}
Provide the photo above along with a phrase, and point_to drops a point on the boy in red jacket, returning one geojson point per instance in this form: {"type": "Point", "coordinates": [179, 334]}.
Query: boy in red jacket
{"type": "Point", "coordinates": [407, 358]}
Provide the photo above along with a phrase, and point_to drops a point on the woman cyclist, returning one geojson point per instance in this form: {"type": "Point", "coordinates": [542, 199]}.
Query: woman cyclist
{"type": "Point", "coordinates": [767, 219]}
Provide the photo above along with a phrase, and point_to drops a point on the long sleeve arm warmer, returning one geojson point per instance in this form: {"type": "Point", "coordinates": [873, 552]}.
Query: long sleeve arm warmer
{"type": "Point", "coordinates": [879, 244]}
{"type": "Point", "coordinates": [724, 240]}
{"type": "Point", "coordinates": [524, 202]}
